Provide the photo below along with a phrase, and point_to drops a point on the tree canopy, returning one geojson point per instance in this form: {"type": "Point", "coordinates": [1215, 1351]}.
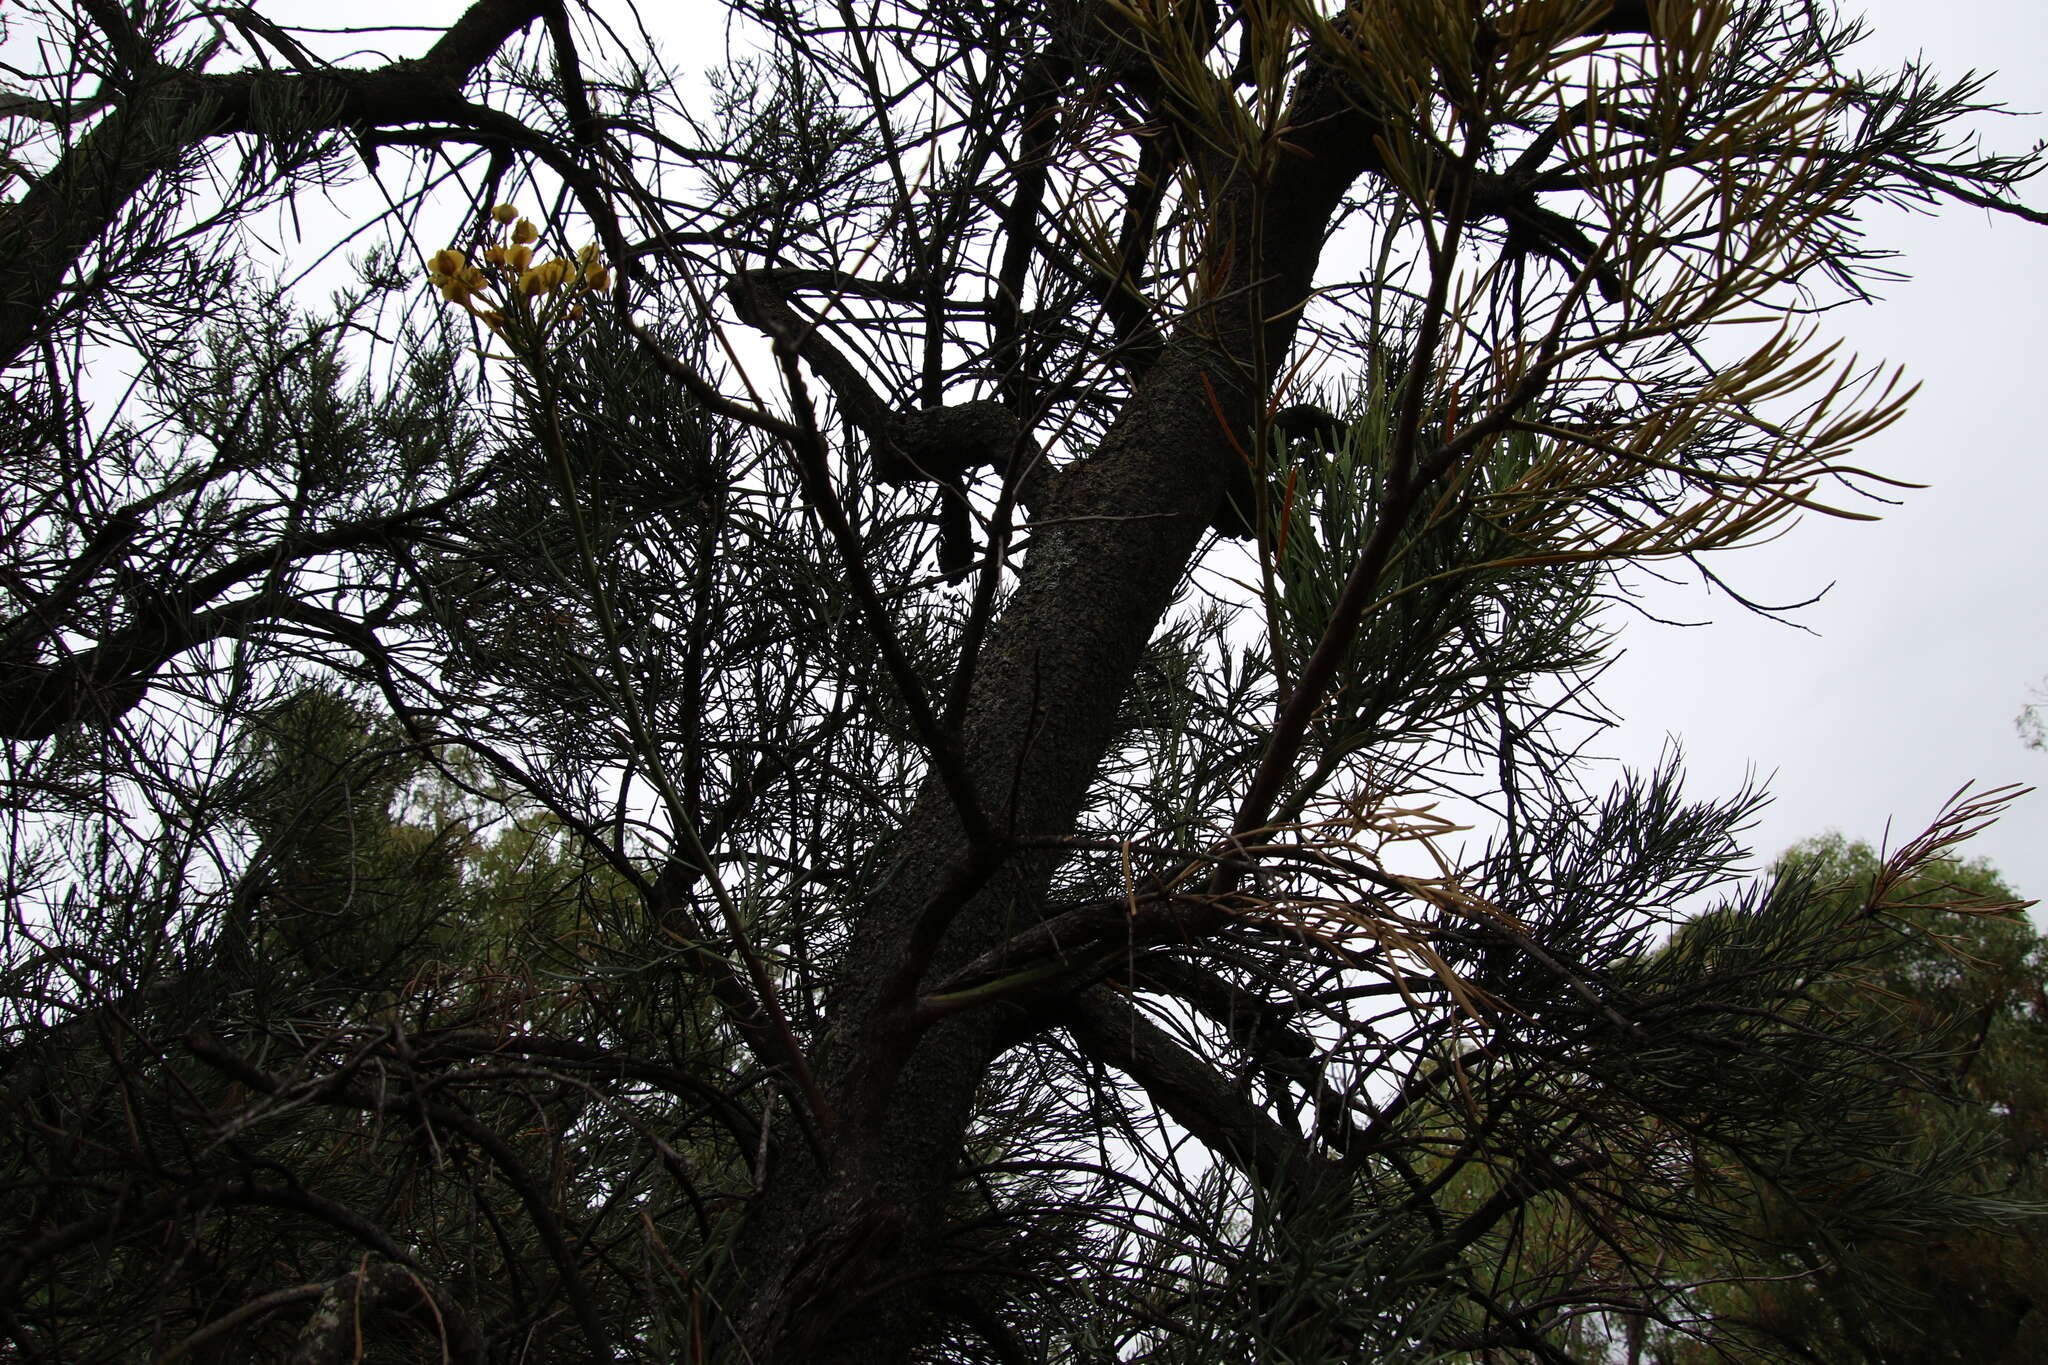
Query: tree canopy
{"type": "Point", "coordinates": [1963, 998]}
{"type": "Point", "coordinates": [830, 713]}
{"type": "Point", "coordinates": [1957, 1290]}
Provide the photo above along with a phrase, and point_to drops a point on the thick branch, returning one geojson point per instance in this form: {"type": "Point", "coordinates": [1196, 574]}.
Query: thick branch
{"type": "Point", "coordinates": [169, 113]}
{"type": "Point", "coordinates": [1112, 1031]}
{"type": "Point", "coordinates": [380, 1291]}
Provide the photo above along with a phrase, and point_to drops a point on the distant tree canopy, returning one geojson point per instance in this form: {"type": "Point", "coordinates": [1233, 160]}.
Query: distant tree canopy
{"type": "Point", "coordinates": [1956, 1290]}
{"type": "Point", "coordinates": [1952, 1011]}
{"type": "Point", "coordinates": [927, 701]}
{"type": "Point", "coordinates": [2031, 723]}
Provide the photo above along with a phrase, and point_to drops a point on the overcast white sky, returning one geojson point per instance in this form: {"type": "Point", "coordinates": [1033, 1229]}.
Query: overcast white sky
{"type": "Point", "coordinates": [1924, 648]}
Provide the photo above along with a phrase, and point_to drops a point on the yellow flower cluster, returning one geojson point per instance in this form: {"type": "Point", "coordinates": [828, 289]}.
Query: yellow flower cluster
{"type": "Point", "coordinates": [508, 290]}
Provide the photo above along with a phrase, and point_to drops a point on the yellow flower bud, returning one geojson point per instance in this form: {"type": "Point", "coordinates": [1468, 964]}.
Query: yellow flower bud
{"type": "Point", "coordinates": [546, 278]}
{"type": "Point", "coordinates": [504, 213]}
{"type": "Point", "coordinates": [518, 257]}
{"type": "Point", "coordinates": [586, 255]}
{"type": "Point", "coordinates": [454, 291]}
{"type": "Point", "coordinates": [447, 261]}
{"type": "Point", "coordinates": [598, 278]}
{"type": "Point", "coordinates": [495, 255]}
{"type": "Point", "coordinates": [471, 277]}
{"type": "Point", "coordinates": [525, 232]}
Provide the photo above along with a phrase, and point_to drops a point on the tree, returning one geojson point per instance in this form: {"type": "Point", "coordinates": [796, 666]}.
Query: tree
{"type": "Point", "coordinates": [2033, 731]}
{"type": "Point", "coordinates": [984, 536]}
{"type": "Point", "coordinates": [1957, 1291]}
{"type": "Point", "coordinates": [1947, 1011]}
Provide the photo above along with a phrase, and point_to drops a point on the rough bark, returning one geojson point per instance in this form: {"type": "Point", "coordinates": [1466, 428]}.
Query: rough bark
{"type": "Point", "coordinates": [843, 1250]}
{"type": "Point", "coordinates": [1108, 556]}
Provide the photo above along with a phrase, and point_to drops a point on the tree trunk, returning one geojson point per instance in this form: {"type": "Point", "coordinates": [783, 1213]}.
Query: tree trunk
{"type": "Point", "coordinates": [845, 1252]}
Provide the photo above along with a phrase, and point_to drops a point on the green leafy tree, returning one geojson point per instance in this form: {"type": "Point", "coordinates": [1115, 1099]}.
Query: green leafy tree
{"type": "Point", "coordinates": [835, 748]}
{"type": "Point", "coordinates": [1920, 1250]}
{"type": "Point", "coordinates": [380, 900]}
{"type": "Point", "coordinates": [1950, 1289]}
